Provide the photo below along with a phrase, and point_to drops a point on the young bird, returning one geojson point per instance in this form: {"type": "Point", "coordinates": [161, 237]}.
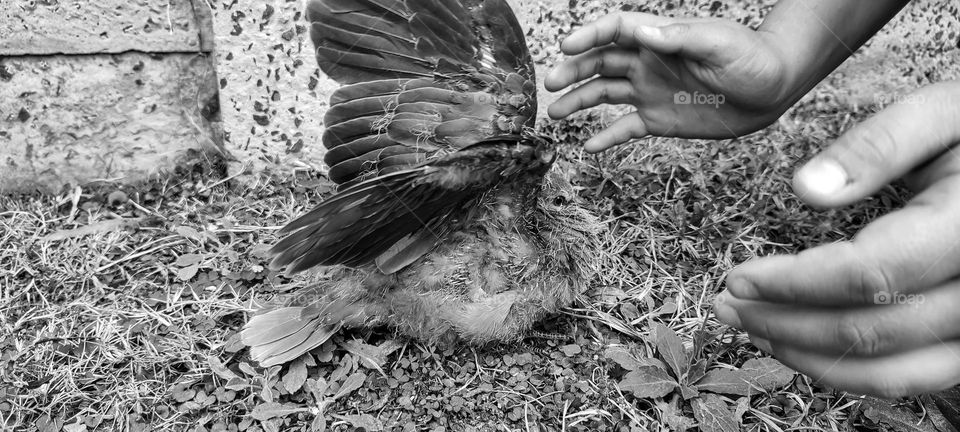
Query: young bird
{"type": "Point", "coordinates": [448, 220]}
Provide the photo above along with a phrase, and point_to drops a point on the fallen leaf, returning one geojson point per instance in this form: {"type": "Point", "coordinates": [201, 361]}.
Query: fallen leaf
{"type": "Point", "coordinates": [648, 382]}
{"type": "Point", "coordinates": [365, 421]}
{"type": "Point", "coordinates": [269, 410]}
{"type": "Point", "coordinates": [898, 419]}
{"type": "Point", "coordinates": [372, 357]}
{"type": "Point", "coordinates": [713, 414]}
{"type": "Point", "coordinates": [671, 349]}
{"type": "Point", "coordinates": [220, 369]}
{"type": "Point", "coordinates": [296, 375]}
{"type": "Point", "coordinates": [94, 228]}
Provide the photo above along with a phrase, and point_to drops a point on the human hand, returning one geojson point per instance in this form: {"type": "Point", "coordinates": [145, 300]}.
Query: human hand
{"type": "Point", "coordinates": [879, 314]}
{"type": "Point", "coordinates": [693, 78]}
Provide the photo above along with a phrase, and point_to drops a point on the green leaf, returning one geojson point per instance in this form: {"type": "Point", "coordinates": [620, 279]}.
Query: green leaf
{"type": "Point", "coordinates": [713, 414]}
{"type": "Point", "coordinates": [187, 260]}
{"type": "Point", "coordinates": [671, 349]}
{"type": "Point", "coordinates": [296, 375]}
{"type": "Point", "coordinates": [621, 356]}
{"type": "Point", "coordinates": [725, 381]}
{"type": "Point", "coordinates": [672, 416]}
{"type": "Point", "coordinates": [648, 382]}
{"type": "Point", "coordinates": [571, 350]}
{"type": "Point", "coordinates": [185, 274]}
{"type": "Point", "coordinates": [351, 384]}
{"type": "Point", "coordinates": [768, 373]}
{"type": "Point", "coordinates": [755, 376]}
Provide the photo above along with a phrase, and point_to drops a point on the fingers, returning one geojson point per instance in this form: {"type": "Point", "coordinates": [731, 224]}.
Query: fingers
{"type": "Point", "coordinates": [883, 148]}
{"type": "Point", "coordinates": [895, 325]}
{"type": "Point", "coordinates": [625, 129]}
{"type": "Point", "coordinates": [618, 28]}
{"type": "Point", "coordinates": [591, 94]}
{"type": "Point", "coordinates": [703, 40]}
{"type": "Point", "coordinates": [924, 370]}
{"type": "Point", "coordinates": [903, 252]}
{"type": "Point", "coordinates": [608, 62]}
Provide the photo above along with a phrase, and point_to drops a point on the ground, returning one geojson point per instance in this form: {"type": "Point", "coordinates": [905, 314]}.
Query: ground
{"type": "Point", "coordinates": [120, 304]}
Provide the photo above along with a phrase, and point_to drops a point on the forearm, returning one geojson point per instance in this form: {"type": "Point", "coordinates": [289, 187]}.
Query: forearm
{"type": "Point", "coordinates": [815, 36]}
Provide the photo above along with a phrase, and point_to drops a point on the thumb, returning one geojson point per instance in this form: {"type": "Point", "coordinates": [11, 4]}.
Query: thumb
{"type": "Point", "coordinates": [884, 148]}
{"type": "Point", "coordinates": [703, 40]}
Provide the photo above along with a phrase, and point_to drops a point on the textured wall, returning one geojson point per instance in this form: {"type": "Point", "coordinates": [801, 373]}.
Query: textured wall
{"type": "Point", "coordinates": [84, 26]}
{"type": "Point", "coordinates": [113, 89]}
{"type": "Point", "coordinates": [72, 119]}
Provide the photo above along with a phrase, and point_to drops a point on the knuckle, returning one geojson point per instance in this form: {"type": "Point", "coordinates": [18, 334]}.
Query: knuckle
{"type": "Point", "coordinates": [872, 146]}
{"type": "Point", "coordinates": [873, 281]}
{"type": "Point", "coordinates": [858, 337]}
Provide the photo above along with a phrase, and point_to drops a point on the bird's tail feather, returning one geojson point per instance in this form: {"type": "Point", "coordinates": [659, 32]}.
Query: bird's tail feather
{"type": "Point", "coordinates": [285, 333]}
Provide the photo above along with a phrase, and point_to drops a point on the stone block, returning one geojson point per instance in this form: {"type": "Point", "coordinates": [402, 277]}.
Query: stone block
{"type": "Point", "coordinates": [74, 119]}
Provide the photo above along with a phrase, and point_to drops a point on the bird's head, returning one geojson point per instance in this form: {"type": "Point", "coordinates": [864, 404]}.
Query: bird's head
{"type": "Point", "coordinates": [565, 223]}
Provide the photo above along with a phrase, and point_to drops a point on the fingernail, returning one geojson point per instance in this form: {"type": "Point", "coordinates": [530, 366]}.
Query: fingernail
{"type": "Point", "coordinates": [724, 312]}
{"type": "Point", "coordinates": [823, 177]}
{"type": "Point", "coordinates": [647, 32]}
{"type": "Point", "coordinates": [761, 343]}
{"type": "Point", "coordinates": [742, 288]}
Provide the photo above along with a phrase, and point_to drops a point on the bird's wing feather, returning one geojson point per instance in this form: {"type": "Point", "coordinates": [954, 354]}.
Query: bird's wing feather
{"type": "Point", "coordinates": [395, 218]}
{"type": "Point", "coordinates": [421, 77]}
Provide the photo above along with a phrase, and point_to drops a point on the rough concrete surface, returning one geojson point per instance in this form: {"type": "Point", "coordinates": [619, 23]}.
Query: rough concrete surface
{"type": "Point", "coordinates": [73, 119]}
{"type": "Point", "coordinates": [103, 26]}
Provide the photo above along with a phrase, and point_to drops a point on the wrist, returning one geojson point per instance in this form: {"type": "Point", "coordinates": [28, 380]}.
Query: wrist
{"type": "Point", "coordinates": [791, 87]}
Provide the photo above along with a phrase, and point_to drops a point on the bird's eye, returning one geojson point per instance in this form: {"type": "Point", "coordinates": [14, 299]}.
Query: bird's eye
{"type": "Point", "coordinates": [559, 200]}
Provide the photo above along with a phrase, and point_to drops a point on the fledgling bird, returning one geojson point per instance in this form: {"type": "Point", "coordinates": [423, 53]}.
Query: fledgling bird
{"type": "Point", "coordinates": [448, 219]}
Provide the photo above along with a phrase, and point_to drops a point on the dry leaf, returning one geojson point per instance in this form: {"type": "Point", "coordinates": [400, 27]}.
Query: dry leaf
{"type": "Point", "coordinates": [94, 228]}
{"type": "Point", "coordinates": [365, 421]}
{"type": "Point", "coordinates": [220, 369]}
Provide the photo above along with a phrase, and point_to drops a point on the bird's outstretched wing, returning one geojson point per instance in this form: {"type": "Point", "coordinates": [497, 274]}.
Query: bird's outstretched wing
{"type": "Point", "coordinates": [422, 78]}
{"type": "Point", "coordinates": [436, 96]}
